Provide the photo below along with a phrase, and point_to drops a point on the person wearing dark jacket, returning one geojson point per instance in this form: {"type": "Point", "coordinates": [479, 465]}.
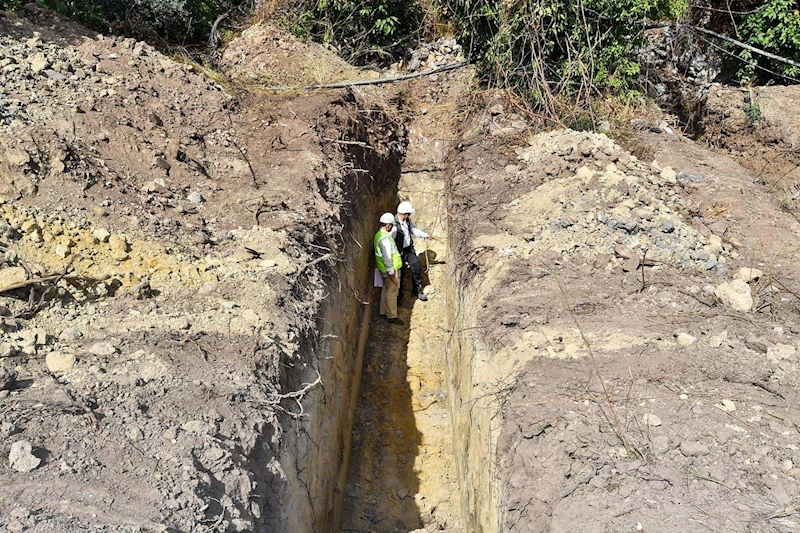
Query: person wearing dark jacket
{"type": "Point", "coordinates": [404, 233]}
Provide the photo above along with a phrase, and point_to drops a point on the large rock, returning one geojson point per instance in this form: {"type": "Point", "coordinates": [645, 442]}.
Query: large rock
{"type": "Point", "coordinates": [747, 274]}
{"type": "Point", "coordinates": [735, 294]}
{"type": "Point", "coordinates": [7, 377]}
{"type": "Point", "coordinates": [11, 276]}
{"type": "Point", "coordinates": [59, 361]}
{"type": "Point", "coordinates": [21, 459]}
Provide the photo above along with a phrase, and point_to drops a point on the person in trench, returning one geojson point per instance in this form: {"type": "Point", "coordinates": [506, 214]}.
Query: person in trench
{"type": "Point", "coordinates": [404, 232]}
{"type": "Point", "coordinates": [389, 263]}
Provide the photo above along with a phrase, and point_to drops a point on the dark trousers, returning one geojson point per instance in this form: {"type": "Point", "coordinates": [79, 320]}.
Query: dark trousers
{"type": "Point", "coordinates": [410, 257]}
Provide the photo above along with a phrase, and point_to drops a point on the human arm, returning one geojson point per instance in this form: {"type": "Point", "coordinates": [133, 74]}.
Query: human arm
{"type": "Point", "coordinates": [386, 253]}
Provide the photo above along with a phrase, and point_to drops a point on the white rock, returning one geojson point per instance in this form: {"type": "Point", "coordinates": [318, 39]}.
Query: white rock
{"type": "Point", "coordinates": [669, 175]}
{"type": "Point", "coordinates": [651, 420]}
{"type": "Point", "coordinates": [428, 290]}
{"type": "Point", "coordinates": [748, 274]}
{"type": "Point", "coordinates": [780, 352]}
{"type": "Point", "coordinates": [195, 197]}
{"type": "Point", "coordinates": [735, 295]}
{"type": "Point", "coordinates": [21, 459]}
{"type": "Point", "coordinates": [716, 341]}
{"type": "Point", "coordinates": [684, 339]}
{"type": "Point", "coordinates": [61, 250]}
{"type": "Point", "coordinates": [59, 361]}
{"type": "Point", "coordinates": [727, 406]}
{"type": "Point", "coordinates": [102, 349]}
{"type": "Point", "coordinates": [101, 234]}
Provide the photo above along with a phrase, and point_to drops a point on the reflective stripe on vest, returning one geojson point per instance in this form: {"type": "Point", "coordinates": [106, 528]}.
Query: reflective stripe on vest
{"type": "Point", "coordinates": [397, 261]}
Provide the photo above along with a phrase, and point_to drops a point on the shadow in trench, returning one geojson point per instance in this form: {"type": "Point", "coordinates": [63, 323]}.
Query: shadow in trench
{"type": "Point", "coordinates": [381, 485]}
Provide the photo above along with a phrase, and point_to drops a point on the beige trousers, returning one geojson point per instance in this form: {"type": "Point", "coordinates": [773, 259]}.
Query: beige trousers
{"type": "Point", "coordinates": [389, 292]}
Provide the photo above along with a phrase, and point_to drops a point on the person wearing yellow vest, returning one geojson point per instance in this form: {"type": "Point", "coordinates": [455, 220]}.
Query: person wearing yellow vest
{"type": "Point", "coordinates": [389, 264]}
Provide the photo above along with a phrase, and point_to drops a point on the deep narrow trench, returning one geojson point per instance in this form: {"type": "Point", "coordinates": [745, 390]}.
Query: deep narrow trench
{"type": "Point", "coordinates": [402, 473]}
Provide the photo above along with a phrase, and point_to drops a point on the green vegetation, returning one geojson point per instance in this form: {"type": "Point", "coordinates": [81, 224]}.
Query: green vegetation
{"type": "Point", "coordinates": [363, 32]}
{"type": "Point", "coordinates": [183, 22]}
{"type": "Point", "coordinates": [774, 27]}
{"type": "Point", "coordinates": [554, 51]}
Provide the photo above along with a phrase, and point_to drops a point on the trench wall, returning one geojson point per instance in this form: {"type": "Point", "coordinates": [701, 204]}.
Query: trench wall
{"type": "Point", "coordinates": [316, 450]}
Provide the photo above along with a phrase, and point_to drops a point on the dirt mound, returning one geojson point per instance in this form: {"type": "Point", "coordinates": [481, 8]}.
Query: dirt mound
{"type": "Point", "coordinates": [167, 277]}
{"type": "Point", "coordinates": [572, 245]}
{"type": "Point", "coordinates": [264, 55]}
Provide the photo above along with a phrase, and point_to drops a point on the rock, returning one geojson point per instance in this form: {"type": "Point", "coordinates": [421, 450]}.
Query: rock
{"type": "Point", "coordinates": [735, 295]}
{"type": "Point", "coordinates": [666, 225]}
{"type": "Point", "coordinates": [11, 276]}
{"type": "Point", "coordinates": [17, 158]}
{"type": "Point", "coordinates": [748, 274]}
{"type": "Point", "coordinates": [428, 290]}
{"type": "Point", "coordinates": [53, 75]}
{"type": "Point", "coordinates": [496, 109]}
{"type": "Point", "coordinates": [716, 341]}
{"type": "Point", "coordinates": [651, 420]}
{"type": "Point", "coordinates": [21, 459]}
{"type": "Point", "coordinates": [685, 177]}
{"type": "Point", "coordinates": [268, 263]}
{"type": "Point", "coordinates": [623, 251]}
{"type": "Point", "coordinates": [195, 197]}
{"type": "Point", "coordinates": [61, 250]}
{"type": "Point", "coordinates": [101, 234]}
{"type": "Point", "coordinates": [59, 361]}
{"type": "Point", "coordinates": [727, 406]}
{"type": "Point", "coordinates": [693, 449]}
{"type": "Point", "coordinates": [668, 175]}
{"type": "Point", "coordinates": [118, 243]}
{"type": "Point", "coordinates": [780, 352]}
{"type": "Point", "coordinates": [604, 125]}
{"type": "Point", "coordinates": [661, 444]}
{"type": "Point", "coordinates": [684, 339]}
{"type": "Point", "coordinates": [8, 376]}
{"type": "Point", "coordinates": [38, 63]}
{"type": "Point", "coordinates": [198, 427]}
{"type": "Point", "coordinates": [102, 349]}
{"type": "Point", "coordinates": [251, 316]}
{"type": "Point", "coordinates": [70, 334]}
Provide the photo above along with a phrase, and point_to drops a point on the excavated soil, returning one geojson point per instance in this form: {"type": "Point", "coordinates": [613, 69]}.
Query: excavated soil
{"type": "Point", "coordinates": [189, 341]}
{"type": "Point", "coordinates": [603, 364]}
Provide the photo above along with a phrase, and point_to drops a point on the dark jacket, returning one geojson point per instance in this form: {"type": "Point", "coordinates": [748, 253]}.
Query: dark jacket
{"type": "Point", "coordinates": [399, 235]}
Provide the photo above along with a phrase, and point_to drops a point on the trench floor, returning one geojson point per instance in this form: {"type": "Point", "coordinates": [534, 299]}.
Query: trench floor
{"type": "Point", "coordinates": [402, 472]}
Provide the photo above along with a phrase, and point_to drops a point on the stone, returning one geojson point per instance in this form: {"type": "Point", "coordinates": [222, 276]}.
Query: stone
{"type": "Point", "coordinates": [59, 361]}
{"type": "Point", "coordinates": [715, 341]}
{"type": "Point", "coordinates": [12, 276]}
{"type": "Point", "coordinates": [195, 197]}
{"type": "Point", "coordinates": [102, 349]}
{"type": "Point", "coordinates": [38, 63]}
{"type": "Point", "coordinates": [251, 316]}
{"type": "Point", "coordinates": [70, 334]}
{"type": "Point", "coordinates": [666, 225]}
{"type": "Point", "coordinates": [651, 420]}
{"type": "Point", "coordinates": [735, 294]}
{"type": "Point", "coordinates": [8, 376]}
{"type": "Point", "coordinates": [429, 290]}
{"type": "Point", "coordinates": [101, 234]}
{"type": "Point", "coordinates": [198, 427]}
{"type": "Point", "coordinates": [53, 75]}
{"type": "Point", "coordinates": [661, 444]}
{"type": "Point", "coordinates": [685, 177]}
{"type": "Point", "coordinates": [118, 243]}
{"type": "Point", "coordinates": [61, 250]}
{"type": "Point", "coordinates": [727, 406]}
{"type": "Point", "coordinates": [748, 274]}
{"type": "Point", "coordinates": [693, 449]}
{"type": "Point", "coordinates": [623, 251]}
{"type": "Point", "coordinates": [668, 175]}
{"type": "Point", "coordinates": [20, 457]}
{"type": "Point", "coordinates": [684, 339]}
{"type": "Point", "coordinates": [779, 352]}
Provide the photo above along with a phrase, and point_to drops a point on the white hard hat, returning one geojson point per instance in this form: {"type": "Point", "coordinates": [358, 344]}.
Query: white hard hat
{"type": "Point", "coordinates": [405, 208]}
{"type": "Point", "coordinates": [387, 218]}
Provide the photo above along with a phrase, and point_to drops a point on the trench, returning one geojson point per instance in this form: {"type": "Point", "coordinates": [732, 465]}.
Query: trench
{"type": "Point", "coordinates": [402, 474]}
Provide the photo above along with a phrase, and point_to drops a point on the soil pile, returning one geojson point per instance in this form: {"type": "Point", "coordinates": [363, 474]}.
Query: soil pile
{"type": "Point", "coordinates": [166, 252]}
{"type": "Point", "coordinates": [570, 252]}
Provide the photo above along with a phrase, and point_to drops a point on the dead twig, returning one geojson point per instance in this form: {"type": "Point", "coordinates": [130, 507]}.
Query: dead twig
{"type": "Point", "coordinates": [77, 404]}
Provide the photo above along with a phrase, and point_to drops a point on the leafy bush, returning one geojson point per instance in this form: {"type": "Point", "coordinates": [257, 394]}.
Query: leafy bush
{"type": "Point", "coordinates": [363, 32]}
{"type": "Point", "coordinates": [556, 50]}
{"type": "Point", "coordinates": [186, 22]}
{"type": "Point", "coordinates": [774, 27]}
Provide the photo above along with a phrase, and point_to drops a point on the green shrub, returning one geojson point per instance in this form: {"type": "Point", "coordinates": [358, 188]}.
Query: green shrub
{"type": "Point", "coordinates": [549, 50]}
{"type": "Point", "coordinates": [363, 32]}
{"type": "Point", "coordinates": [774, 27]}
